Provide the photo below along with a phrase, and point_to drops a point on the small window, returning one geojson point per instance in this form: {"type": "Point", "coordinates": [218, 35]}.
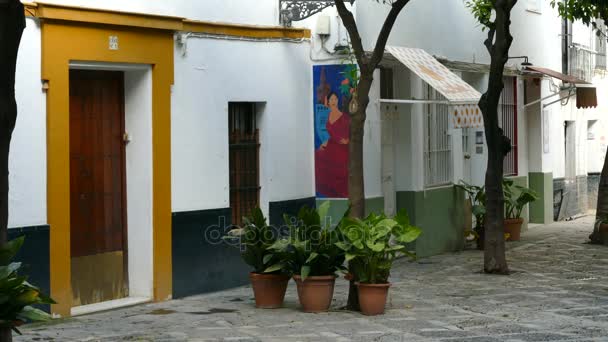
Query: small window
{"type": "Point", "coordinates": [244, 148]}
{"type": "Point", "coordinates": [386, 83]}
{"type": "Point", "coordinates": [591, 129]}
{"type": "Point", "coordinates": [437, 142]}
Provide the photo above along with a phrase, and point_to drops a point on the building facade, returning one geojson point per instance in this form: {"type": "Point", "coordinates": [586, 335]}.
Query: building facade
{"type": "Point", "coordinates": [147, 128]}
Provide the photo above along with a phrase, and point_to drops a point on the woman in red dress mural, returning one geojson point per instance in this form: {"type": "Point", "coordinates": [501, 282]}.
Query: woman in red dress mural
{"type": "Point", "coordinates": [332, 156]}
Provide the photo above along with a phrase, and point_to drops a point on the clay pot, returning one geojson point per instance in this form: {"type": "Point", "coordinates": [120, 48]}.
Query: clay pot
{"type": "Point", "coordinates": [513, 228]}
{"type": "Point", "coordinates": [315, 293]}
{"type": "Point", "coordinates": [604, 233]}
{"type": "Point", "coordinates": [372, 298]}
{"type": "Point", "coordinates": [268, 289]}
{"type": "Point", "coordinates": [481, 232]}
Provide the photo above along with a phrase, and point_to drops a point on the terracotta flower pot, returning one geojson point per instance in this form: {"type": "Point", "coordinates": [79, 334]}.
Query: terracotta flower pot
{"type": "Point", "coordinates": [604, 233]}
{"type": "Point", "coordinates": [513, 228]}
{"type": "Point", "coordinates": [481, 239]}
{"type": "Point", "coordinates": [315, 293]}
{"type": "Point", "coordinates": [268, 289]}
{"type": "Point", "coordinates": [372, 298]}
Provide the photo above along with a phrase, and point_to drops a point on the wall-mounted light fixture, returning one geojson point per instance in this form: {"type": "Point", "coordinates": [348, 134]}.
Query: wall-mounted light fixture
{"type": "Point", "coordinates": [296, 10]}
{"type": "Point", "coordinates": [525, 63]}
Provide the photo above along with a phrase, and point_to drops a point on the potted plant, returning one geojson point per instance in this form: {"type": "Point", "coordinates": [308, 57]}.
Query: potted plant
{"type": "Point", "coordinates": [371, 245]}
{"type": "Point", "coordinates": [16, 294]}
{"type": "Point", "coordinates": [312, 256]}
{"type": "Point", "coordinates": [516, 198]}
{"type": "Point", "coordinates": [477, 195]}
{"type": "Point", "coordinates": [254, 238]}
{"type": "Point", "coordinates": [604, 230]}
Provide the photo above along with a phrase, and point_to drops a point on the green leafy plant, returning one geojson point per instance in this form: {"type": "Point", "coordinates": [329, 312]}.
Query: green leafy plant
{"type": "Point", "coordinates": [516, 198]}
{"type": "Point", "coordinates": [17, 295]}
{"type": "Point", "coordinates": [310, 247]}
{"type": "Point", "coordinates": [372, 245]}
{"type": "Point", "coordinates": [254, 238]}
{"type": "Point", "coordinates": [477, 194]}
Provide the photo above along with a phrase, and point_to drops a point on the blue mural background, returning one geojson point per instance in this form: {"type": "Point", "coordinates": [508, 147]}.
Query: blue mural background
{"type": "Point", "coordinates": [327, 79]}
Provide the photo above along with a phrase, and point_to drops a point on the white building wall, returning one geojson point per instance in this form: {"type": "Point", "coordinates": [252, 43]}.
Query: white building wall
{"type": "Point", "coordinates": [215, 72]}
{"type": "Point", "coordinates": [27, 179]}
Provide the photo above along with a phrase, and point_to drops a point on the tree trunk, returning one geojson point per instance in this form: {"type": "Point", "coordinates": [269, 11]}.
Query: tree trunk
{"type": "Point", "coordinates": [6, 335]}
{"type": "Point", "coordinates": [602, 203]}
{"type": "Point", "coordinates": [356, 187]}
{"type": "Point", "coordinates": [12, 24]}
{"type": "Point", "coordinates": [498, 44]}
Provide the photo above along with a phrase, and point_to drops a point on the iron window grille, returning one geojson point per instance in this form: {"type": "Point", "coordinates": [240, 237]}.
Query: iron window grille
{"type": "Point", "coordinates": [244, 151]}
{"type": "Point", "coordinates": [438, 165]}
{"type": "Point", "coordinates": [507, 110]}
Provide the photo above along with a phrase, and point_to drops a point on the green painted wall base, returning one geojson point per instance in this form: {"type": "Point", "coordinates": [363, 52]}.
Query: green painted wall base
{"type": "Point", "coordinates": [339, 206]}
{"type": "Point", "coordinates": [440, 214]}
{"type": "Point", "coordinates": [541, 211]}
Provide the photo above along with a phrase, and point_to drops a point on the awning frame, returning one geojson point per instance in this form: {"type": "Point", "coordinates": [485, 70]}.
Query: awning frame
{"type": "Point", "coordinates": [570, 94]}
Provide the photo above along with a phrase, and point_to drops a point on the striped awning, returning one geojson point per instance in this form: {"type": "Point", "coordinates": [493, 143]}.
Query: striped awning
{"type": "Point", "coordinates": [462, 97]}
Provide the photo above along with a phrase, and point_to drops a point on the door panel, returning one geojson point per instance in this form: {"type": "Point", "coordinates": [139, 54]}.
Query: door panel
{"type": "Point", "coordinates": [97, 186]}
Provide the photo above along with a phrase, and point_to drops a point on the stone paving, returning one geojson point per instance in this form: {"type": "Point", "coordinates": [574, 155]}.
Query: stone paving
{"type": "Point", "coordinates": [558, 292]}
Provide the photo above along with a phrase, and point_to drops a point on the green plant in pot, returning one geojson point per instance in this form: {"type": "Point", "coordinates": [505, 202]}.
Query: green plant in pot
{"type": "Point", "coordinates": [477, 195]}
{"type": "Point", "coordinates": [371, 246]}
{"type": "Point", "coordinates": [312, 256]}
{"type": "Point", "coordinates": [254, 239]}
{"type": "Point", "coordinates": [17, 295]}
{"type": "Point", "coordinates": [516, 198]}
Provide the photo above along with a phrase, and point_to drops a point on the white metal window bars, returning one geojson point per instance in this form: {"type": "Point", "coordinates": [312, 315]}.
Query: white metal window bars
{"type": "Point", "coordinates": [438, 164]}
{"type": "Point", "coordinates": [508, 121]}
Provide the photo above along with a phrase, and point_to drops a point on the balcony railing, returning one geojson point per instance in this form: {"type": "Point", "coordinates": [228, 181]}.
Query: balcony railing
{"type": "Point", "coordinates": [582, 62]}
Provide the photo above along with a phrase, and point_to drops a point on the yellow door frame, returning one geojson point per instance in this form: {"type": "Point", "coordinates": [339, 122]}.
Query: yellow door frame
{"type": "Point", "coordinates": [64, 42]}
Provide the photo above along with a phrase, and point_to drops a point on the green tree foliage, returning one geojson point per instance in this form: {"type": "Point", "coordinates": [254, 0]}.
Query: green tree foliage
{"type": "Point", "coordinates": [585, 10]}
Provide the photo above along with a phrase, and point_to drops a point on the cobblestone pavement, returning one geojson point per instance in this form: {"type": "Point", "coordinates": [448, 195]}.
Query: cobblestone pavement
{"type": "Point", "coordinates": [558, 292]}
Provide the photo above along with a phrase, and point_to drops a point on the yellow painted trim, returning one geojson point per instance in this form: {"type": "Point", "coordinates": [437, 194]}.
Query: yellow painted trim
{"type": "Point", "coordinates": [31, 9]}
{"type": "Point", "coordinates": [248, 31]}
{"type": "Point", "coordinates": [99, 16]}
{"type": "Point", "coordinates": [109, 17]}
{"type": "Point", "coordinates": [90, 43]}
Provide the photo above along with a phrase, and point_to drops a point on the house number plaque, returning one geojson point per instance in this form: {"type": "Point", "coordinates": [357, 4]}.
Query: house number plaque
{"type": "Point", "coordinates": [113, 42]}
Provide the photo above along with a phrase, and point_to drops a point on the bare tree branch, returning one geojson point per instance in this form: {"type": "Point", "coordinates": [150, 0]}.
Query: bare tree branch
{"type": "Point", "coordinates": [386, 31]}
{"type": "Point", "coordinates": [351, 26]}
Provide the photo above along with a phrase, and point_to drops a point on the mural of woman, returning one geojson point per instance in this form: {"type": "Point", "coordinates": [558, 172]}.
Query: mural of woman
{"type": "Point", "coordinates": [331, 167]}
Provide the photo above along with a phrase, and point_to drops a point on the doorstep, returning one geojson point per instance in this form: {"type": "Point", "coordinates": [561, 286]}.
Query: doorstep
{"type": "Point", "coordinates": [109, 305]}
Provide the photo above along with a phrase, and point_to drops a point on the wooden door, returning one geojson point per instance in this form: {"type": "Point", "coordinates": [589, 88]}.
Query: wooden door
{"type": "Point", "coordinates": [97, 187]}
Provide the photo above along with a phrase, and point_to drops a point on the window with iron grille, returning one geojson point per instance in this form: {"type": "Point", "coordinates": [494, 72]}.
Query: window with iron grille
{"type": "Point", "coordinates": [244, 150]}
{"type": "Point", "coordinates": [507, 113]}
{"type": "Point", "coordinates": [438, 165]}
